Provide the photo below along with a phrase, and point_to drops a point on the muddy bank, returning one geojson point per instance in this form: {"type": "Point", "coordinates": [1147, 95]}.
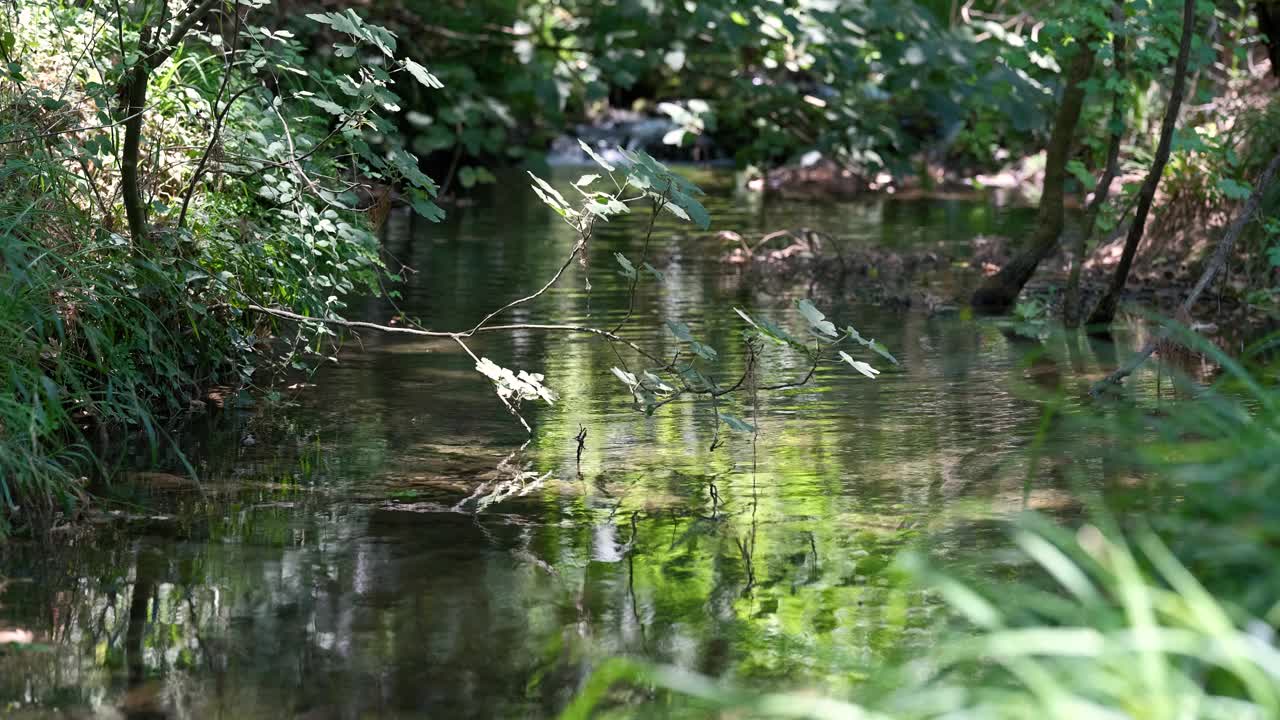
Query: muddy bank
{"type": "Point", "coordinates": [940, 276]}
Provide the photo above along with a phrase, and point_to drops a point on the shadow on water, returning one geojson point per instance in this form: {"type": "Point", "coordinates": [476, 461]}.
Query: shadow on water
{"type": "Point", "coordinates": [382, 548]}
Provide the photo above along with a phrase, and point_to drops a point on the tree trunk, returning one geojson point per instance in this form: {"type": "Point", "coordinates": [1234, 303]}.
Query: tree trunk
{"type": "Point", "coordinates": [1105, 312]}
{"type": "Point", "coordinates": [1269, 23]}
{"type": "Point", "coordinates": [153, 50]}
{"type": "Point", "coordinates": [1071, 306]}
{"type": "Point", "coordinates": [1000, 291]}
{"type": "Point", "coordinates": [1215, 265]}
{"type": "Point", "coordinates": [135, 94]}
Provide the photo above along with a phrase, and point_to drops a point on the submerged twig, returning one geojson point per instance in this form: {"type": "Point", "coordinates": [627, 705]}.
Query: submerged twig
{"type": "Point", "coordinates": [582, 443]}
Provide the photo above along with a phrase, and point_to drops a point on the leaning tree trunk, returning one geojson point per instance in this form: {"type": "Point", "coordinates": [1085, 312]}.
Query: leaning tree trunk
{"type": "Point", "coordinates": [1071, 306]}
{"type": "Point", "coordinates": [1216, 263]}
{"type": "Point", "coordinates": [1105, 312]}
{"type": "Point", "coordinates": [1000, 291]}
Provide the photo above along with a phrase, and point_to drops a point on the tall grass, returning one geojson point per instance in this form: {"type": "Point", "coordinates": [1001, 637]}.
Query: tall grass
{"type": "Point", "coordinates": [91, 341]}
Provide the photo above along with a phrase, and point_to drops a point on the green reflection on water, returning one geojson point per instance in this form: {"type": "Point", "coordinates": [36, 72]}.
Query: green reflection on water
{"type": "Point", "coordinates": [338, 568]}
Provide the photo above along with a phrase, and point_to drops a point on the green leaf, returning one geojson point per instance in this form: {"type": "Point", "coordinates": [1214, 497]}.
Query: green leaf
{"type": "Point", "coordinates": [697, 213]}
{"type": "Point", "coordinates": [662, 185]}
{"type": "Point", "coordinates": [422, 205]}
{"type": "Point", "coordinates": [407, 164]}
{"type": "Point", "coordinates": [628, 270]}
{"type": "Point", "coordinates": [736, 424]}
{"type": "Point", "coordinates": [693, 377]}
{"type": "Point", "coordinates": [596, 157]}
{"type": "Point", "coordinates": [1234, 190]}
{"type": "Point", "coordinates": [656, 273]}
{"type": "Point", "coordinates": [353, 25]}
{"type": "Point", "coordinates": [770, 331]}
{"type": "Point", "coordinates": [872, 345]}
{"type": "Point", "coordinates": [422, 75]}
{"type": "Point", "coordinates": [817, 321]}
{"type": "Point", "coordinates": [1081, 173]}
{"type": "Point", "coordinates": [681, 331]}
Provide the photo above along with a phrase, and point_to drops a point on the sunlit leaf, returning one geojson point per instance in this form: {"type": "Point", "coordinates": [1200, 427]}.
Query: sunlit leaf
{"type": "Point", "coordinates": [422, 75]}
{"type": "Point", "coordinates": [353, 25]}
{"type": "Point", "coordinates": [603, 205]}
{"type": "Point", "coordinates": [552, 197]}
{"type": "Point", "coordinates": [513, 386]}
{"type": "Point", "coordinates": [860, 366]}
{"type": "Point", "coordinates": [816, 319]}
{"type": "Point", "coordinates": [328, 106]}
{"type": "Point", "coordinates": [657, 383]}
{"type": "Point", "coordinates": [626, 377]}
{"type": "Point", "coordinates": [596, 156]}
{"type": "Point", "coordinates": [677, 211]}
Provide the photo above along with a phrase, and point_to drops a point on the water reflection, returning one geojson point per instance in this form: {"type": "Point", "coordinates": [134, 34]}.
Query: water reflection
{"type": "Point", "coordinates": [387, 548]}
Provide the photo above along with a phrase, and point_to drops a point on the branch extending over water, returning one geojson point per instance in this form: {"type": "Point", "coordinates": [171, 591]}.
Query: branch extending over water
{"type": "Point", "coordinates": [644, 254]}
{"type": "Point", "coordinates": [663, 381]}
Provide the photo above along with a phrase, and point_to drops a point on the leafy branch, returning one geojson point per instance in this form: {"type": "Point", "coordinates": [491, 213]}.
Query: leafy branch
{"type": "Point", "coordinates": [688, 373]}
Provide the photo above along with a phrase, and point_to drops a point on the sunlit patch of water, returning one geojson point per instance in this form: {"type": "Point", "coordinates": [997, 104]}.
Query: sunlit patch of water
{"type": "Point", "coordinates": [386, 546]}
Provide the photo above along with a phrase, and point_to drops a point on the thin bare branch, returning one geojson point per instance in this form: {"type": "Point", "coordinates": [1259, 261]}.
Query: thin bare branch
{"type": "Point", "coordinates": [219, 115]}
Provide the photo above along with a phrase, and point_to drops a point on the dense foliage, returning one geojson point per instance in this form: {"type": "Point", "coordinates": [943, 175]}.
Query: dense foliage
{"type": "Point", "coordinates": [238, 187]}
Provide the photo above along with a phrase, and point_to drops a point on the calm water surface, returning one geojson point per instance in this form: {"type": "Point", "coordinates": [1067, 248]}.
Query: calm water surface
{"type": "Point", "coordinates": [391, 546]}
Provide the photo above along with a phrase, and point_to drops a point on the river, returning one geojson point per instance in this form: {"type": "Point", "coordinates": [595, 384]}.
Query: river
{"type": "Point", "coordinates": [386, 542]}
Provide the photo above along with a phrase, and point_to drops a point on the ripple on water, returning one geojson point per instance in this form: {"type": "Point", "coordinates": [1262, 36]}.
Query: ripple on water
{"type": "Point", "coordinates": [341, 569]}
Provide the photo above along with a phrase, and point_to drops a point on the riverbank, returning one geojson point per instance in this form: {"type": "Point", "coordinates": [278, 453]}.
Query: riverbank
{"type": "Point", "coordinates": [142, 229]}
